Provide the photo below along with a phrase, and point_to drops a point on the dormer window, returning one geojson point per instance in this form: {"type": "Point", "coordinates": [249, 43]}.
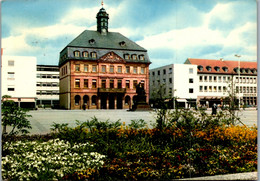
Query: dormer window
{"type": "Point", "coordinates": [208, 68]}
{"type": "Point", "coordinates": [76, 53]}
{"type": "Point", "coordinates": [122, 43]}
{"type": "Point", "coordinates": [92, 41]}
{"type": "Point", "coordinates": [127, 56]}
{"type": "Point", "coordinates": [225, 69]}
{"type": "Point", "coordinates": [134, 57]}
{"type": "Point", "coordinates": [248, 71]}
{"type": "Point", "coordinates": [242, 70]}
{"type": "Point", "coordinates": [141, 57]}
{"type": "Point", "coordinates": [93, 55]}
{"type": "Point", "coordinates": [217, 68]}
{"type": "Point", "coordinates": [200, 68]}
{"type": "Point", "coordinates": [85, 54]}
{"type": "Point", "coordinates": [236, 70]}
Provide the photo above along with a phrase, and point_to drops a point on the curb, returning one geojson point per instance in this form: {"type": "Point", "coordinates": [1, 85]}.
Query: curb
{"type": "Point", "coordinates": [236, 176]}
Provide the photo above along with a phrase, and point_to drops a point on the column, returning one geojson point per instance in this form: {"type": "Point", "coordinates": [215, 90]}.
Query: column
{"type": "Point", "coordinates": [107, 101]}
{"type": "Point", "coordinates": [99, 103]}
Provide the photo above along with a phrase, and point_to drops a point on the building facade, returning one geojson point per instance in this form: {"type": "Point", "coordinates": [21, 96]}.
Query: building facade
{"type": "Point", "coordinates": [177, 80]}
{"type": "Point", "coordinates": [100, 69]}
{"type": "Point", "coordinates": [47, 89]}
{"type": "Point", "coordinates": [18, 79]}
{"type": "Point", "coordinates": [219, 78]}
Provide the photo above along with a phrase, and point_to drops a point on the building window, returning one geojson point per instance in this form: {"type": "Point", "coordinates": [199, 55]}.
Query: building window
{"type": "Point", "coordinates": [205, 78]}
{"type": "Point", "coordinates": [170, 80]}
{"type": "Point", "coordinates": [94, 68]}
{"type": "Point", "coordinates": [103, 83]}
{"type": "Point", "coordinates": [135, 83]}
{"type": "Point", "coordinates": [127, 57]}
{"type": "Point", "coordinates": [135, 70]}
{"type": "Point", "coordinates": [85, 68]}
{"type": "Point", "coordinates": [215, 88]}
{"type": "Point", "coordinates": [119, 84]}
{"type": "Point", "coordinates": [208, 68]}
{"type": "Point", "coordinates": [217, 68]}
{"type": "Point", "coordinates": [201, 78]}
{"type": "Point", "coordinates": [10, 89]}
{"type": "Point", "coordinates": [224, 79]}
{"type": "Point", "coordinates": [119, 69]}
{"type": "Point", "coordinates": [170, 70]}
{"type": "Point", "coordinates": [215, 78]}
{"type": "Point", "coordinates": [200, 68]}
{"type": "Point", "coordinates": [224, 89]}
{"type": "Point", "coordinates": [128, 69]}
{"type": "Point", "coordinates": [219, 89]}
{"type": "Point", "coordinates": [191, 70]}
{"type": "Point", "coordinates": [201, 88]}
{"type": "Point", "coordinates": [10, 62]}
{"type": "Point", "coordinates": [210, 78]}
{"type": "Point", "coordinates": [164, 71]}
{"type": "Point", "coordinates": [134, 57]}
{"type": "Point", "coordinates": [94, 83]}
{"type": "Point", "coordinates": [93, 54]}
{"type": "Point", "coordinates": [205, 89]}
{"type": "Point", "coordinates": [85, 54]}
{"type": "Point", "coordinates": [85, 83]}
{"type": "Point", "coordinates": [77, 83]}
{"type": "Point", "coordinates": [77, 99]}
{"type": "Point", "coordinates": [127, 84]}
{"type": "Point", "coordinates": [191, 90]}
{"type": "Point", "coordinates": [111, 83]}
{"type": "Point", "coordinates": [103, 68]}
{"type": "Point", "coordinates": [210, 88]}
{"type": "Point", "coordinates": [225, 69]}
{"type": "Point", "coordinates": [142, 70]}
{"type": "Point", "coordinates": [219, 79]}
{"type": "Point", "coordinates": [76, 53]}
{"type": "Point", "coordinates": [191, 80]}
{"type": "Point", "coordinates": [77, 67]}
{"type": "Point", "coordinates": [153, 73]}
{"type": "Point", "coordinates": [111, 69]}
{"type": "Point", "coordinates": [10, 75]}
{"type": "Point", "coordinates": [141, 57]}
{"type": "Point", "coordinates": [158, 73]}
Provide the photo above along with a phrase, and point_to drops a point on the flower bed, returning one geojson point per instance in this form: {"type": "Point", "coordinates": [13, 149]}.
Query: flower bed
{"type": "Point", "coordinates": [133, 154]}
{"type": "Point", "coordinates": [33, 160]}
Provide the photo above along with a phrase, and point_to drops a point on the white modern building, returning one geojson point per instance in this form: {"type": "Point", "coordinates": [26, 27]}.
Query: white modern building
{"type": "Point", "coordinates": [18, 79]}
{"type": "Point", "coordinates": [218, 77]}
{"type": "Point", "coordinates": [47, 86]}
{"type": "Point", "coordinates": [179, 81]}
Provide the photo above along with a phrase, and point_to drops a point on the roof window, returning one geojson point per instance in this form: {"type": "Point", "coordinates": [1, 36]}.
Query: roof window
{"type": "Point", "coordinates": [122, 43]}
{"type": "Point", "coordinates": [225, 69]}
{"type": "Point", "coordinates": [217, 68]}
{"type": "Point", "coordinates": [208, 68]}
{"type": "Point", "coordinates": [91, 41]}
{"type": "Point", "coordinates": [200, 67]}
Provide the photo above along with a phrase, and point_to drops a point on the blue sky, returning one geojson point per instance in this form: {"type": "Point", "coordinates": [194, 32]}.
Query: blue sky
{"type": "Point", "coordinates": [171, 30]}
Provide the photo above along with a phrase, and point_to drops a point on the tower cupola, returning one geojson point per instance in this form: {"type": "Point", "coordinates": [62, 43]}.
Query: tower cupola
{"type": "Point", "coordinates": [102, 21]}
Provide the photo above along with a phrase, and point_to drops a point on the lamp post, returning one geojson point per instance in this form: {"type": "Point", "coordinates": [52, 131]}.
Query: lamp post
{"type": "Point", "coordinates": [238, 56]}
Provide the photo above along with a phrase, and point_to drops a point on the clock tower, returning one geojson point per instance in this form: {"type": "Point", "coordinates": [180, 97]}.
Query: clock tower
{"type": "Point", "coordinates": [102, 21]}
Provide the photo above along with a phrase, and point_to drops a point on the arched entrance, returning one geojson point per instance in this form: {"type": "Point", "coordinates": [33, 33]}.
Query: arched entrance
{"type": "Point", "coordinates": [86, 101]}
{"type": "Point", "coordinates": [77, 101]}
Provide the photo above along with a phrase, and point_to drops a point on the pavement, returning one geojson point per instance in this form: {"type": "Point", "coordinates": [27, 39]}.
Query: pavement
{"type": "Point", "coordinates": [236, 176]}
{"type": "Point", "coordinates": [42, 119]}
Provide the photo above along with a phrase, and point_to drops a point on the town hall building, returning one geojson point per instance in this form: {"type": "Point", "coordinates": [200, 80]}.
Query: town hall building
{"type": "Point", "coordinates": [100, 69]}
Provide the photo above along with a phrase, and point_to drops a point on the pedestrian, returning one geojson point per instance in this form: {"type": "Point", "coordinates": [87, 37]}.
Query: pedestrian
{"type": "Point", "coordinates": [214, 109]}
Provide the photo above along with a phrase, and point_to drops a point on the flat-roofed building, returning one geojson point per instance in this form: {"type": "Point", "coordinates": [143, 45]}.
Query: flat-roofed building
{"type": "Point", "coordinates": [47, 86]}
{"type": "Point", "coordinates": [18, 79]}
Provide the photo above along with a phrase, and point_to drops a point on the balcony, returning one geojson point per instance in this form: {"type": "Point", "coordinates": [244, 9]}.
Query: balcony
{"type": "Point", "coordinates": [111, 90]}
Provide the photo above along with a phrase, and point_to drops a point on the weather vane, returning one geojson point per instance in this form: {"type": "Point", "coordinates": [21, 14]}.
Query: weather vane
{"type": "Point", "coordinates": [102, 3]}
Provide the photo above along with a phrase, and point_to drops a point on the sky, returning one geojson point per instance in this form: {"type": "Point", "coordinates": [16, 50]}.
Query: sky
{"type": "Point", "coordinates": [170, 30]}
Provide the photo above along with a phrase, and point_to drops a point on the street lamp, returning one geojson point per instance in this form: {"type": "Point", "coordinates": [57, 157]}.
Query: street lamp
{"type": "Point", "coordinates": [238, 56]}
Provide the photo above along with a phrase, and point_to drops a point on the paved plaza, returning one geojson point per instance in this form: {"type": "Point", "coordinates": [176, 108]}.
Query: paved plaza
{"type": "Point", "coordinates": [42, 120]}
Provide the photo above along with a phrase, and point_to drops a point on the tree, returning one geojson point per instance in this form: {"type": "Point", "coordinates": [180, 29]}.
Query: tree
{"type": "Point", "coordinates": [15, 117]}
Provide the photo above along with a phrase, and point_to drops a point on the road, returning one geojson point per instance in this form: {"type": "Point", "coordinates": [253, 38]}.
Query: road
{"type": "Point", "coordinates": [42, 120]}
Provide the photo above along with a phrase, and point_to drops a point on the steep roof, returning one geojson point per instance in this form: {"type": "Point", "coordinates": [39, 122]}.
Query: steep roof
{"type": "Point", "coordinates": [231, 65]}
{"type": "Point", "coordinates": [111, 40]}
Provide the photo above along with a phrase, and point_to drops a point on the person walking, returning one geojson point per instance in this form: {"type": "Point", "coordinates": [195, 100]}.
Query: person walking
{"type": "Point", "coordinates": [214, 109]}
